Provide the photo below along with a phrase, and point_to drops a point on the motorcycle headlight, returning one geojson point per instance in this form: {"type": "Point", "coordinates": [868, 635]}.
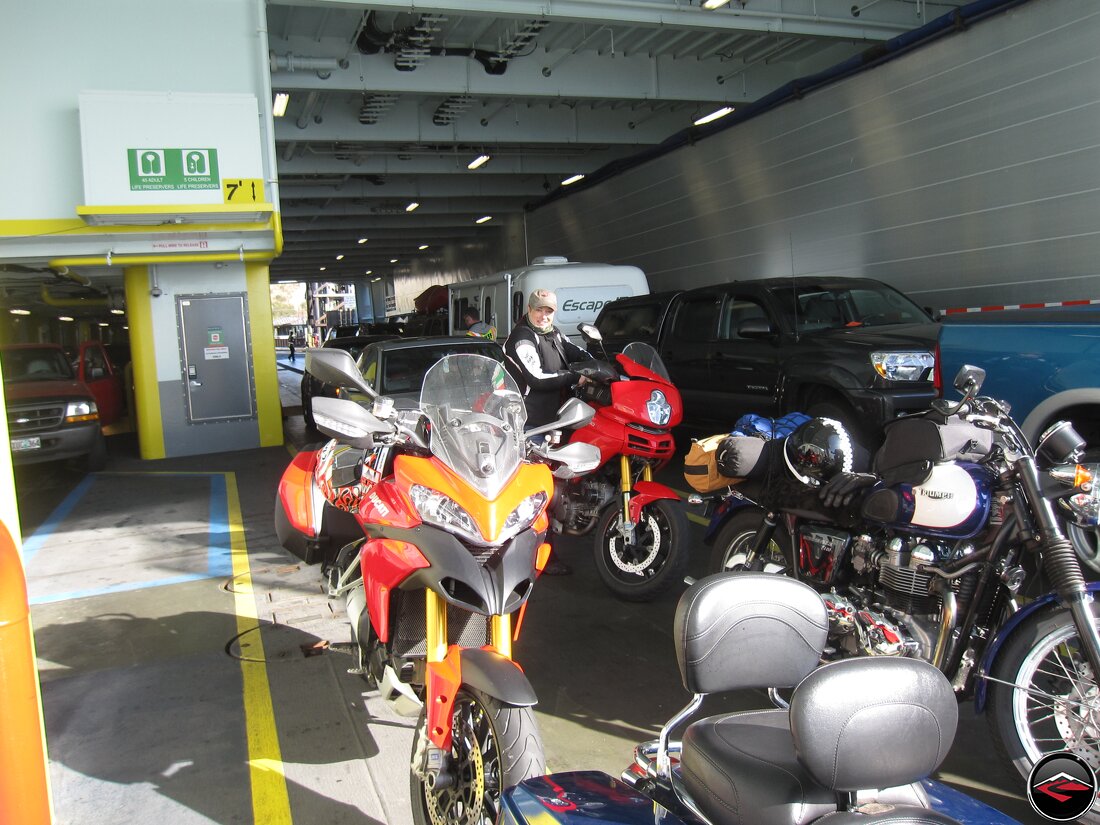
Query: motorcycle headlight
{"type": "Point", "coordinates": [520, 518]}
{"type": "Point", "coordinates": [658, 408]}
{"type": "Point", "coordinates": [443, 511]}
{"type": "Point", "coordinates": [76, 411]}
{"type": "Point", "coordinates": [915, 365]}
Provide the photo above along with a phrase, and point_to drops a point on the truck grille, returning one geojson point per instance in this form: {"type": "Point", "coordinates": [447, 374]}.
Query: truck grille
{"type": "Point", "coordinates": [28, 419]}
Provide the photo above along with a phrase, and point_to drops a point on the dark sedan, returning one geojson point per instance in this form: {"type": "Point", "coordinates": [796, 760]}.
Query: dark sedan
{"type": "Point", "coordinates": [396, 368]}
{"type": "Point", "coordinates": [312, 387]}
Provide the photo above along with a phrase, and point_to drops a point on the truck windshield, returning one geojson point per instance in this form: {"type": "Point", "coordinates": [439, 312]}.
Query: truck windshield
{"type": "Point", "coordinates": [813, 307]}
{"type": "Point", "coordinates": [35, 364]}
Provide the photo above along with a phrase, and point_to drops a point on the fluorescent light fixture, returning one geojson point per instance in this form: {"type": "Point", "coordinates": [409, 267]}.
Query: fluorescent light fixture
{"type": "Point", "coordinates": [363, 240]}
{"type": "Point", "coordinates": [422, 247]}
{"type": "Point", "coordinates": [375, 280]}
{"type": "Point", "coordinates": [714, 4]}
{"type": "Point", "coordinates": [64, 318]}
{"type": "Point", "coordinates": [104, 324]}
{"type": "Point", "coordinates": [20, 311]}
{"type": "Point", "coordinates": [369, 272]}
{"type": "Point", "coordinates": [324, 268]}
{"type": "Point", "coordinates": [278, 109]}
{"type": "Point", "coordinates": [484, 219]}
{"type": "Point", "coordinates": [411, 206]}
{"type": "Point", "coordinates": [118, 312]}
{"type": "Point", "coordinates": [717, 113]}
{"type": "Point", "coordinates": [480, 160]}
{"type": "Point", "coordinates": [339, 257]}
{"type": "Point", "coordinates": [393, 260]}
{"type": "Point", "coordinates": [573, 179]}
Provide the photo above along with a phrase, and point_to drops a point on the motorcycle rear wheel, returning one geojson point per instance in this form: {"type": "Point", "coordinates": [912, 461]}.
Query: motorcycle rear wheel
{"type": "Point", "coordinates": [493, 746]}
{"type": "Point", "coordinates": [641, 571]}
{"type": "Point", "coordinates": [1060, 709]}
{"type": "Point", "coordinates": [733, 541]}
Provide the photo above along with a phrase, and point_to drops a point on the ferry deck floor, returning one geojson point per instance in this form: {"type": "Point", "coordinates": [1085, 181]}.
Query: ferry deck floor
{"type": "Point", "coordinates": [188, 675]}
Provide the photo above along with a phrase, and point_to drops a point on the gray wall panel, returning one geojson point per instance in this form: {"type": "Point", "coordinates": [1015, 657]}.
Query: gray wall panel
{"type": "Point", "coordinates": [965, 173]}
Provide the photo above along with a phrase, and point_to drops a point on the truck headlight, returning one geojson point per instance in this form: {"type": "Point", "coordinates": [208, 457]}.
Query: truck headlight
{"type": "Point", "coordinates": [77, 411]}
{"type": "Point", "coordinates": [914, 365]}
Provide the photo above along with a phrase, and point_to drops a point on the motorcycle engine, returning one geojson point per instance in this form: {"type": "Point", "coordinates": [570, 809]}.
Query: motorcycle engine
{"type": "Point", "coordinates": [578, 503]}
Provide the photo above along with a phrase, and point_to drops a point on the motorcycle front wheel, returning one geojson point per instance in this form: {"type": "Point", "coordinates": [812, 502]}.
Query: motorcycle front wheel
{"type": "Point", "coordinates": [731, 545]}
{"type": "Point", "coordinates": [641, 570]}
{"type": "Point", "coordinates": [493, 746]}
{"type": "Point", "coordinates": [1055, 704]}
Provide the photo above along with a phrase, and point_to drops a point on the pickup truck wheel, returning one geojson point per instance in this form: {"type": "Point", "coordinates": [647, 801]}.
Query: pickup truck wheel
{"type": "Point", "coordinates": [865, 442]}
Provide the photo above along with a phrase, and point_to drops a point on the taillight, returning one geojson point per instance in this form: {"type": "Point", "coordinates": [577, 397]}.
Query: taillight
{"type": "Point", "coordinates": [937, 374]}
{"type": "Point", "coordinates": [296, 493]}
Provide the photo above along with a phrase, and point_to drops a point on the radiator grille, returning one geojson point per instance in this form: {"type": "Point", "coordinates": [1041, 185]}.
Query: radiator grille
{"type": "Point", "coordinates": [27, 419]}
{"type": "Point", "coordinates": [463, 627]}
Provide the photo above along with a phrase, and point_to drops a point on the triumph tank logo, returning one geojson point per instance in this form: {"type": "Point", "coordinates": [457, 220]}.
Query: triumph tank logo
{"type": "Point", "coordinates": [938, 495]}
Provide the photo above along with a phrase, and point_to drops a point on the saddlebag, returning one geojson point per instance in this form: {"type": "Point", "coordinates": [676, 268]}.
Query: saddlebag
{"type": "Point", "coordinates": [913, 445]}
{"type": "Point", "coordinates": [721, 460]}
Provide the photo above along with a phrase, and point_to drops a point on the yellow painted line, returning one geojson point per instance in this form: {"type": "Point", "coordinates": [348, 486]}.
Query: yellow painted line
{"type": "Point", "coordinates": [270, 802]}
{"type": "Point", "coordinates": [698, 519]}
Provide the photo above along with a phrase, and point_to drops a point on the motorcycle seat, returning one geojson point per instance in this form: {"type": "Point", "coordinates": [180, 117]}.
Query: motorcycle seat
{"type": "Point", "coordinates": [796, 766]}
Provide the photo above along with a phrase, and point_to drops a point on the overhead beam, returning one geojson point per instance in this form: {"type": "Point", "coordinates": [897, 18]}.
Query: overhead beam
{"type": "Point", "coordinates": [319, 160]}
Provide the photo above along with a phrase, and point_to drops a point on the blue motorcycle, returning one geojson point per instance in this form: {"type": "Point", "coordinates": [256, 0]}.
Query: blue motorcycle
{"type": "Point", "coordinates": [950, 551]}
{"type": "Point", "coordinates": [851, 741]}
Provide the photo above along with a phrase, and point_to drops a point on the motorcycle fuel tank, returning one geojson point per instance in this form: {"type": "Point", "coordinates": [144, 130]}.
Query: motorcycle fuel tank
{"type": "Point", "coordinates": [953, 501]}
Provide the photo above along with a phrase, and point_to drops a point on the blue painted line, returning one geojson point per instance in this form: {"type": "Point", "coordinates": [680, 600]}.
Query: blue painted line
{"type": "Point", "coordinates": [219, 561]}
{"type": "Point", "coordinates": [33, 544]}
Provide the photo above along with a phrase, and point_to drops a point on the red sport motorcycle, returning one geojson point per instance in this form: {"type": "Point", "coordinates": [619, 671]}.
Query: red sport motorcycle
{"type": "Point", "coordinates": [639, 525]}
{"type": "Point", "coordinates": [431, 525]}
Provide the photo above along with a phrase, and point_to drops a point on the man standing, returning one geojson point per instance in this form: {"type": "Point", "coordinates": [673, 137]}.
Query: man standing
{"type": "Point", "coordinates": [538, 357]}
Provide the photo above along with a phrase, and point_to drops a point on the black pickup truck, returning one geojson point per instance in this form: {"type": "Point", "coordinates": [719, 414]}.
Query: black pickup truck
{"type": "Point", "coordinates": [848, 348]}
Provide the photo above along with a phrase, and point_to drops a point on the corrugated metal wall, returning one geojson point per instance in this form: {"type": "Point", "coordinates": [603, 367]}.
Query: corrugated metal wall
{"type": "Point", "coordinates": [964, 173]}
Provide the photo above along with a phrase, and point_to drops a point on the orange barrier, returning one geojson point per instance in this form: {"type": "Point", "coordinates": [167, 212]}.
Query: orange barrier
{"type": "Point", "coordinates": [24, 786]}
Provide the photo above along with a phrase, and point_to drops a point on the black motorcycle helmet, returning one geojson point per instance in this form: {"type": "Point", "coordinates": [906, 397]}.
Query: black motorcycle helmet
{"type": "Point", "coordinates": [817, 451]}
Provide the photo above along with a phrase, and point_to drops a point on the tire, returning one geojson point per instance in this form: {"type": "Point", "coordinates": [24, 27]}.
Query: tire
{"type": "Point", "coordinates": [642, 571]}
{"type": "Point", "coordinates": [866, 438]}
{"type": "Point", "coordinates": [508, 749]}
{"type": "Point", "coordinates": [1042, 652]}
{"type": "Point", "coordinates": [307, 407]}
{"type": "Point", "coordinates": [735, 538]}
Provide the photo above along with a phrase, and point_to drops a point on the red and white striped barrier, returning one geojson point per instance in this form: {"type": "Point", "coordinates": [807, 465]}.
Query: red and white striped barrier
{"type": "Point", "coordinates": [998, 307]}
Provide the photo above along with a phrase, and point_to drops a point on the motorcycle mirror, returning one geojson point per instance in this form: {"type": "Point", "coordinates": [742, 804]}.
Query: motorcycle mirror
{"type": "Point", "coordinates": [337, 367]}
{"type": "Point", "coordinates": [573, 413]}
{"type": "Point", "coordinates": [590, 331]}
{"type": "Point", "coordinates": [969, 379]}
{"type": "Point", "coordinates": [347, 422]}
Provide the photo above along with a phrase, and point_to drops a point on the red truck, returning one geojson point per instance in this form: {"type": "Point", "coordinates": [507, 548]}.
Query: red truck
{"type": "Point", "coordinates": [57, 407]}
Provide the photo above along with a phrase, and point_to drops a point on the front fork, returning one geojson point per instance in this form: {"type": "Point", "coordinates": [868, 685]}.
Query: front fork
{"type": "Point", "coordinates": [763, 535]}
{"type": "Point", "coordinates": [444, 678]}
{"type": "Point", "coordinates": [626, 487]}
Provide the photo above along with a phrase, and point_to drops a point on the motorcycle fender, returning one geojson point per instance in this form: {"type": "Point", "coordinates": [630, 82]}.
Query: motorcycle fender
{"type": "Point", "coordinates": [729, 507]}
{"type": "Point", "coordinates": [1006, 631]}
{"type": "Point", "coordinates": [482, 669]}
{"type": "Point", "coordinates": [646, 492]}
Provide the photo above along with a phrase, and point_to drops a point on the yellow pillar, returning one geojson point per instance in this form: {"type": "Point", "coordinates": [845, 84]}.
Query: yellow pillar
{"type": "Point", "coordinates": [139, 314]}
{"type": "Point", "coordinates": [269, 408]}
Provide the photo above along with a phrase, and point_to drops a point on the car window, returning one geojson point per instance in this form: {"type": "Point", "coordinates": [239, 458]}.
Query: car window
{"type": "Point", "coordinates": [639, 321]}
{"type": "Point", "coordinates": [735, 312]}
{"type": "Point", "coordinates": [403, 369]}
{"type": "Point", "coordinates": [45, 364]}
{"type": "Point", "coordinates": [696, 318]}
{"type": "Point", "coordinates": [94, 364]}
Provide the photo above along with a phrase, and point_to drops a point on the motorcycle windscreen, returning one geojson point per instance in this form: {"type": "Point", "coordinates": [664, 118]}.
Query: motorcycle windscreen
{"type": "Point", "coordinates": [477, 416]}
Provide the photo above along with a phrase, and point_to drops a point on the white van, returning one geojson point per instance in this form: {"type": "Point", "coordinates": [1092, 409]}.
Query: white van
{"type": "Point", "coordinates": [582, 290]}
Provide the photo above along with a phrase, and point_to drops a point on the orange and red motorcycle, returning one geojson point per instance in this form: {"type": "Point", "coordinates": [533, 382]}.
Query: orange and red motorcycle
{"type": "Point", "coordinates": [431, 525]}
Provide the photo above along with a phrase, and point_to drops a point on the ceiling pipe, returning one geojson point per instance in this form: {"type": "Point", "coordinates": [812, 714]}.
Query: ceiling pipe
{"type": "Point", "coordinates": [324, 66]}
{"type": "Point", "coordinates": [67, 274]}
{"type": "Point", "coordinates": [307, 110]}
{"type": "Point", "coordinates": [52, 300]}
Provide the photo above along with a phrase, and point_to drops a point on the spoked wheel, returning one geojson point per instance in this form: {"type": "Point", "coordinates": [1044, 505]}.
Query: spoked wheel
{"type": "Point", "coordinates": [641, 570]}
{"type": "Point", "coordinates": [493, 746]}
{"type": "Point", "coordinates": [1044, 696]}
{"type": "Point", "coordinates": [731, 545]}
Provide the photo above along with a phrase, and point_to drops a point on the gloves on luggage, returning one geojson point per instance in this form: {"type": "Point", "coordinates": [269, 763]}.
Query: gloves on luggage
{"type": "Point", "coordinates": [841, 489]}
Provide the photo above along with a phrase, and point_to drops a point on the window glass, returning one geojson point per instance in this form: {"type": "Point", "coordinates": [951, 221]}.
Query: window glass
{"type": "Point", "coordinates": [735, 312]}
{"type": "Point", "coordinates": [630, 322]}
{"type": "Point", "coordinates": [696, 319]}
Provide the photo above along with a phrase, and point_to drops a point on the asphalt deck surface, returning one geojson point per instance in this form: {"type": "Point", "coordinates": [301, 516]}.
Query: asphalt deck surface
{"type": "Point", "coordinates": [165, 612]}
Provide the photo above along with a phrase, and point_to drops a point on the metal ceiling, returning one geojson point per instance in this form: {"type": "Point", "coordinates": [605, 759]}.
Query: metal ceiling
{"type": "Point", "coordinates": [390, 101]}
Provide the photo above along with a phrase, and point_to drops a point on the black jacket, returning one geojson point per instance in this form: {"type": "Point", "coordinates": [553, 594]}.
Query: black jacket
{"type": "Point", "coordinates": [539, 361]}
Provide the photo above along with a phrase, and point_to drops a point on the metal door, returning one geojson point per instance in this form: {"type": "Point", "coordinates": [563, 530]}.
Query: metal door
{"type": "Point", "coordinates": [216, 357]}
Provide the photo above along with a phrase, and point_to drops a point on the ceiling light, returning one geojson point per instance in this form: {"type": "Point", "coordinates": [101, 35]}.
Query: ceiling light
{"type": "Point", "coordinates": [20, 312]}
{"type": "Point", "coordinates": [339, 257]}
{"type": "Point", "coordinates": [118, 312]}
{"type": "Point", "coordinates": [717, 113]}
{"type": "Point", "coordinates": [393, 260]}
{"type": "Point", "coordinates": [422, 247]}
{"type": "Point", "coordinates": [714, 4]}
{"type": "Point", "coordinates": [411, 206]}
{"type": "Point", "coordinates": [369, 272]}
{"type": "Point", "coordinates": [484, 219]}
{"type": "Point", "coordinates": [573, 179]}
{"type": "Point", "coordinates": [278, 109]}
{"type": "Point", "coordinates": [64, 318]}
{"type": "Point", "coordinates": [375, 280]}
{"type": "Point", "coordinates": [104, 324]}
{"type": "Point", "coordinates": [480, 160]}
{"type": "Point", "coordinates": [362, 240]}
{"type": "Point", "coordinates": [324, 268]}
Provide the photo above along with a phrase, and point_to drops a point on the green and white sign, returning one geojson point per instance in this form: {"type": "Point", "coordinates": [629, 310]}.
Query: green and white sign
{"type": "Point", "coordinates": [173, 169]}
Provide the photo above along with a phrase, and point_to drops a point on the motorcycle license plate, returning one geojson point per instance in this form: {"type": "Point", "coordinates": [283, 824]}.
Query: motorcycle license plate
{"type": "Point", "coordinates": [22, 444]}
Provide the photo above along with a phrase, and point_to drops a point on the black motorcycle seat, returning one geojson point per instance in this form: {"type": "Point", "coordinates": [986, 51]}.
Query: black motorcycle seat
{"type": "Point", "coordinates": [896, 815]}
{"type": "Point", "coordinates": [742, 767]}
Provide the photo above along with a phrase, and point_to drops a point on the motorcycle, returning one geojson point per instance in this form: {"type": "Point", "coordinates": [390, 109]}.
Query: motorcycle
{"type": "Point", "coordinates": [824, 755]}
{"type": "Point", "coordinates": [444, 522]}
{"type": "Point", "coordinates": [932, 555]}
{"type": "Point", "coordinates": [639, 525]}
